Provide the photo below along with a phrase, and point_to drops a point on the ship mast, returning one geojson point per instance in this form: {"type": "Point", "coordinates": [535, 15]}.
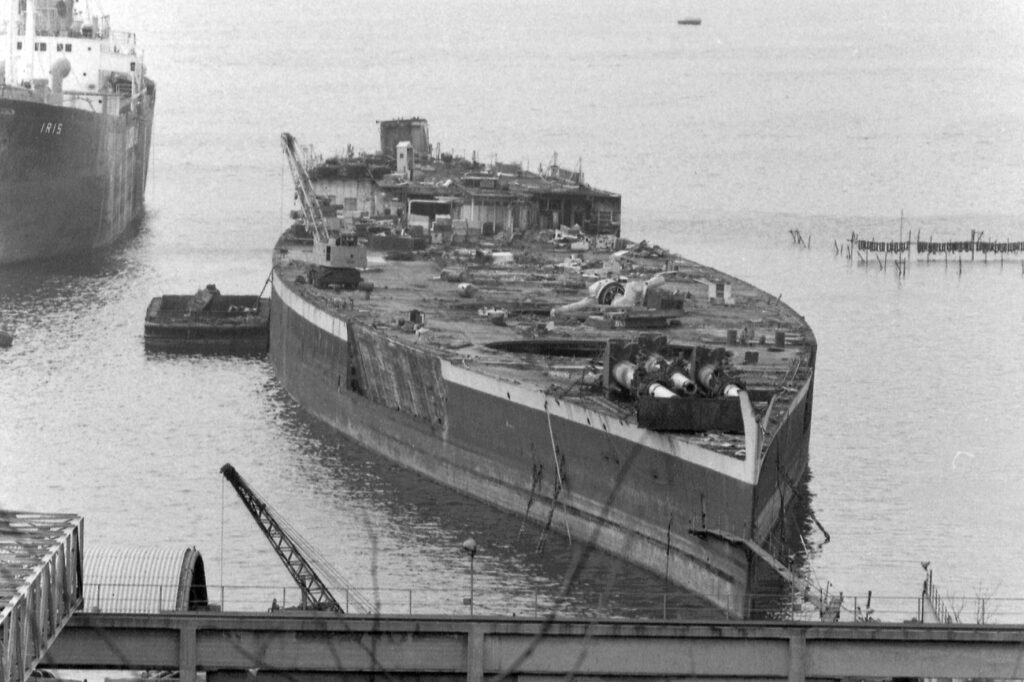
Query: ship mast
{"type": "Point", "coordinates": [12, 37]}
{"type": "Point", "coordinates": [29, 42]}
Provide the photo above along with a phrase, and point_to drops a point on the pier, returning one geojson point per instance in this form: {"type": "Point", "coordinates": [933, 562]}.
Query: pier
{"type": "Point", "coordinates": [309, 646]}
{"type": "Point", "coordinates": [42, 624]}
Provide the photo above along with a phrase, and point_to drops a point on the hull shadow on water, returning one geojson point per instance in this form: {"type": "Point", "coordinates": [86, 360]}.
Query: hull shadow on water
{"type": "Point", "coordinates": [84, 276]}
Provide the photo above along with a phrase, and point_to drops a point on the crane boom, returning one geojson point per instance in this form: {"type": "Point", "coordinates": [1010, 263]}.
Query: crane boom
{"type": "Point", "coordinates": [315, 594]}
{"type": "Point", "coordinates": [304, 191]}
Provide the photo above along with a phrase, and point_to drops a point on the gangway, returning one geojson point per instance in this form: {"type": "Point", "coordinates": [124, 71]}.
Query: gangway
{"type": "Point", "coordinates": [297, 554]}
{"type": "Point", "coordinates": [40, 586]}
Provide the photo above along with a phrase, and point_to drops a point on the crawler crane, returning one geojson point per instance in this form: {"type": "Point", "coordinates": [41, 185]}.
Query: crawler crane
{"type": "Point", "coordinates": [337, 258]}
{"type": "Point", "coordinates": [293, 552]}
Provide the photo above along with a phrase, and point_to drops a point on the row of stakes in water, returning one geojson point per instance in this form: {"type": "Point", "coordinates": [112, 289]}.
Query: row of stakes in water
{"type": "Point", "coordinates": [974, 249]}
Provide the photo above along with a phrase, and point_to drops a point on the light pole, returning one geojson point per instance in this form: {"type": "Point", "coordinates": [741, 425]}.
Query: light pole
{"type": "Point", "coordinates": [469, 547]}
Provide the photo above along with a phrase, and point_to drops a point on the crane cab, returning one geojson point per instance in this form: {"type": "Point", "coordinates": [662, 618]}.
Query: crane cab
{"type": "Point", "coordinates": [340, 251]}
{"type": "Point", "coordinates": [337, 261]}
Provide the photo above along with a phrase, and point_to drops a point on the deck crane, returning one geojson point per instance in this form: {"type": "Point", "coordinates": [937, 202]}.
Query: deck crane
{"type": "Point", "coordinates": [293, 552]}
{"type": "Point", "coordinates": [337, 257]}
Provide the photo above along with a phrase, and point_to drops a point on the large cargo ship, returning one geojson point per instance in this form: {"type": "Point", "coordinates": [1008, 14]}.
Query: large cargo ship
{"type": "Point", "coordinates": [76, 117]}
{"type": "Point", "coordinates": [504, 340]}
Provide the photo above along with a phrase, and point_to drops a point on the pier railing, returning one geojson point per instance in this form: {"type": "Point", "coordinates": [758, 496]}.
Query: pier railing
{"type": "Point", "coordinates": [312, 647]}
{"type": "Point", "coordinates": [668, 605]}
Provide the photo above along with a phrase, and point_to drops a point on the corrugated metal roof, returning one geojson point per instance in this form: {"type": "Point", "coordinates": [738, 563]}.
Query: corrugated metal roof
{"type": "Point", "coordinates": [143, 579]}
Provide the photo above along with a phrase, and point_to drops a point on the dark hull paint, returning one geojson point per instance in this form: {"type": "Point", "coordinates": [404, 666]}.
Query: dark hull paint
{"type": "Point", "coordinates": [71, 181]}
{"type": "Point", "coordinates": [207, 339]}
{"type": "Point", "coordinates": [630, 499]}
{"type": "Point", "coordinates": [169, 329]}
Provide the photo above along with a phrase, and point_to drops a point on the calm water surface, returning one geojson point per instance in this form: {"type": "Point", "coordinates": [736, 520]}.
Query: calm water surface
{"type": "Point", "coordinates": [823, 117]}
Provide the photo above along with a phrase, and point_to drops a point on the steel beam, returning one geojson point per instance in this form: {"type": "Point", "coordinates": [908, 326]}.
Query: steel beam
{"type": "Point", "coordinates": [312, 645]}
{"type": "Point", "coordinates": [40, 585]}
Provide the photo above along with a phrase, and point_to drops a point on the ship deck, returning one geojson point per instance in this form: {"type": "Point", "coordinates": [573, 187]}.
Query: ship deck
{"type": "Point", "coordinates": [770, 347]}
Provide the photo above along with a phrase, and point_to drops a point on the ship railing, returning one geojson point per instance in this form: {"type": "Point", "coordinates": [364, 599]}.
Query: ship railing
{"type": "Point", "coordinates": [47, 22]}
{"type": "Point", "coordinates": [120, 42]}
{"type": "Point", "coordinates": [670, 605]}
{"type": "Point", "coordinates": [8, 91]}
{"type": "Point", "coordinates": [89, 101]}
{"type": "Point", "coordinates": [96, 102]}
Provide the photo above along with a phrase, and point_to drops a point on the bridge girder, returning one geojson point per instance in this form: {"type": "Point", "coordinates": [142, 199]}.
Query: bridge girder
{"type": "Point", "coordinates": [310, 645]}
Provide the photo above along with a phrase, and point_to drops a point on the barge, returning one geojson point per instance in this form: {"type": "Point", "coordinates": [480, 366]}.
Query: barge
{"type": "Point", "coordinates": [208, 322]}
{"type": "Point", "coordinates": [504, 340]}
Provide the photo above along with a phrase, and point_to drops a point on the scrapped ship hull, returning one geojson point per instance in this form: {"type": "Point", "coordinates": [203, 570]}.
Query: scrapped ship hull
{"type": "Point", "coordinates": [71, 181]}
{"type": "Point", "coordinates": [632, 492]}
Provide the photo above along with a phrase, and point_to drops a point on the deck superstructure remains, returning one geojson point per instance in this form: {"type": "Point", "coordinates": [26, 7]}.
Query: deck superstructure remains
{"type": "Point", "coordinates": [607, 389]}
{"type": "Point", "coordinates": [40, 585]}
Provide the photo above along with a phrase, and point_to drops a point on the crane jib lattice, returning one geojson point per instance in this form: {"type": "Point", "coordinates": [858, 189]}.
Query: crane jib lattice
{"type": "Point", "coordinates": [315, 594]}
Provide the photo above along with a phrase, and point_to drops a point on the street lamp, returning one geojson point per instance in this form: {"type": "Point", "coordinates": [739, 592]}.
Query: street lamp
{"type": "Point", "coordinates": [469, 547]}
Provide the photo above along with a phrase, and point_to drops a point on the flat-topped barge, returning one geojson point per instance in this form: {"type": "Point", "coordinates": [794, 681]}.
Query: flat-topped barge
{"type": "Point", "coordinates": [612, 390]}
{"type": "Point", "coordinates": [207, 322]}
